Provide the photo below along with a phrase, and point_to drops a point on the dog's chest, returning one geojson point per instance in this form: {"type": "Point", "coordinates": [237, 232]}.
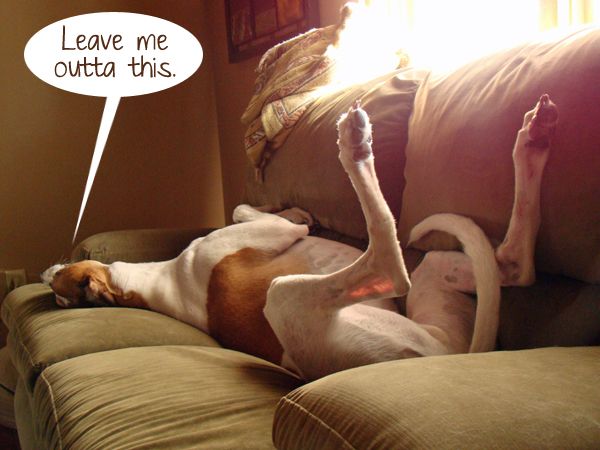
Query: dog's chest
{"type": "Point", "coordinates": [236, 298]}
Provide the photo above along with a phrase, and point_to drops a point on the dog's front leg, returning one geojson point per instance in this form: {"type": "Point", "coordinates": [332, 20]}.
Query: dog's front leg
{"type": "Point", "coordinates": [515, 255]}
{"type": "Point", "coordinates": [246, 213]}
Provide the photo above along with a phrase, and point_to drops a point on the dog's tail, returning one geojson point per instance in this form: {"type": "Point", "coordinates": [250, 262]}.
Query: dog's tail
{"type": "Point", "coordinates": [485, 270]}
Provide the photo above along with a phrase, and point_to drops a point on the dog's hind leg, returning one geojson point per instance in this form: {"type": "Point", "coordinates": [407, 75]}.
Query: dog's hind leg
{"type": "Point", "coordinates": [515, 255]}
{"type": "Point", "coordinates": [380, 271]}
{"type": "Point", "coordinates": [438, 299]}
{"type": "Point", "coordinates": [383, 259]}
{"type": "Point", "coordinates": [317, 318]}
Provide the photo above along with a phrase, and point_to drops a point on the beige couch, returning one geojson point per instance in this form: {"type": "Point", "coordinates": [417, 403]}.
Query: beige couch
{"type": "Point", "coordinates": [108, 378]}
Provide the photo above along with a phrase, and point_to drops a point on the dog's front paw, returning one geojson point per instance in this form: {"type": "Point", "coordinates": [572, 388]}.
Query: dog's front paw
{"type": "Point", "coordinates": [297, 216]}
{"type": "Point", "coordinates": [246, 213]}
{"type": "Point", "coordinates": [354, 133]}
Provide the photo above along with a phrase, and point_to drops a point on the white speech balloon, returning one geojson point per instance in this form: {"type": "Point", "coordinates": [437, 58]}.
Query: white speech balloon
{"type": "Point", "coordinates": [112, 55]}
{"type": "Point", "coordinates": [49, 56]}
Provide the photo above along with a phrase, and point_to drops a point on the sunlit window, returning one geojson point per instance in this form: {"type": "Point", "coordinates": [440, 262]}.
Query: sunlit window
{"type": "Point", "coordinates": [443, 34]}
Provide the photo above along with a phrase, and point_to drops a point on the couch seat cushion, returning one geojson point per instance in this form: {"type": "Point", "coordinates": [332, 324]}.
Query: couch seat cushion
{"type": "Point", "coordinates": [41, 333]}
{"type": "Point", "coordinates": [171, 397]}
{"type": "Point", "coordinates": [544, 398]}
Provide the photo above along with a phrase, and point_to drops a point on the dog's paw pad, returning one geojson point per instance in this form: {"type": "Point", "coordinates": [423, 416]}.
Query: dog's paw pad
{"type": "Point", "coordinates": [354, 130]}
{"type": "Point", "coordinates": [543, 123]}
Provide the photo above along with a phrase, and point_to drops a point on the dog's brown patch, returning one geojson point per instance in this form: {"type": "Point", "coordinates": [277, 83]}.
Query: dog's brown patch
{"type": "Point", "coordinates": [237, 292]}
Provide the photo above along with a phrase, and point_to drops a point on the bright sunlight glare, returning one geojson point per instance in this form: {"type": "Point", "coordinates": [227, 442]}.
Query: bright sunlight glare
{"type": "Point", "coordinates": [366, 47]}
{"type": "Point", "coordinates": [444, 34]}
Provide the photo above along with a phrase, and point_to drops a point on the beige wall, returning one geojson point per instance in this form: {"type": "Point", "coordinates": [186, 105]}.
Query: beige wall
{"type": "Point", "coordinates": [161, 166]}
{"type": "Point", "coordinates": [233, 88]}
{"type": "Point", "coordinates": [329, 11]}
{"type": "Point", "coordinates": [173, 158]}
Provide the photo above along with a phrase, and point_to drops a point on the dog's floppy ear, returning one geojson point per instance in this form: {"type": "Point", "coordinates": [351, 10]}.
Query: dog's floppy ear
{"type": "Point", "coordinates": [97, 289]}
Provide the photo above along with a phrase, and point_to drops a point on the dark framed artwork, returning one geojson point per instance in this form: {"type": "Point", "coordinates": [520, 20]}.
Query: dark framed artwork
{"type": "Point", "coordinates": [253, 26]}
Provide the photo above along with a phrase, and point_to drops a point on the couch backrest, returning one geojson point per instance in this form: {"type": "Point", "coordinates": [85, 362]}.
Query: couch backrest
{"type": "Point", "coordinates": [459, 159]}
{"type": "Point", "coordinates": [306, 172]}
{"type": "Point", "coordinates": [459, 154]}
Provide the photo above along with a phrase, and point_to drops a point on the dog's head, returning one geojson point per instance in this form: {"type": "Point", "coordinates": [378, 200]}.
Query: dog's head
{"type": "Point", "coordinates": [85, 283]}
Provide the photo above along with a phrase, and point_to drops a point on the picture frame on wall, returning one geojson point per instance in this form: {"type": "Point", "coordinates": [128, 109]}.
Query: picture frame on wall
{"type": "Point", "coordinates": [253, 26]}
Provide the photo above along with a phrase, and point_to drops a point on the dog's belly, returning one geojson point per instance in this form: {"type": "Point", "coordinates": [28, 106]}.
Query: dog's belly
{"type": "Point", "coordinates": [238, 286]}
{"type": "Point", "coordinates": [323, 256]}
{"type": "Point", "coordinates": [237, 293]}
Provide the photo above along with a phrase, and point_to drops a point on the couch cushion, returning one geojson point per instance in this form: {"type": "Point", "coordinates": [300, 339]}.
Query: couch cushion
{"type": "Point", "coordinates": [8, 385]}
{"type": "Point", "coordinates": [555, 311]}
{"type": "Point", "coordinates": [306, 172]}
{"type": "Point", "coordinates": [459, 153]}
{"type": "Point", "coordinates": [545, 398]}
{"type": "Point", "coordinates": [136, 245]}
{"type": "Point", "coordinates": [169, 397]}
{"type": "Point", "coordinates": [41, 333]}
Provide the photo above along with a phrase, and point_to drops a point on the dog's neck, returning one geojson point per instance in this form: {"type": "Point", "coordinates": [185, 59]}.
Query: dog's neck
{"type": "Point", "coordinates": [151, 286]}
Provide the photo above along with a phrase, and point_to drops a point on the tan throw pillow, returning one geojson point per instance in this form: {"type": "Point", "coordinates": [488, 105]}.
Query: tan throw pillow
{"type": "Point", "coordinates": [462, 133]}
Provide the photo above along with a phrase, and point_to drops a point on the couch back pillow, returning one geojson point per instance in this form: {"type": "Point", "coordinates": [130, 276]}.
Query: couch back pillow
{"type": "Point", "coordinates": [464, 124]}
{"type": "Point", "coordinates": [306, 172]}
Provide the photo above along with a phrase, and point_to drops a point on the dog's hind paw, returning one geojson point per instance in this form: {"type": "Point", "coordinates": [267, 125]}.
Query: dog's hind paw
{"type": "Point", "coordinates": [543, 123]}
{"type": "Point", "coordinates": [354, 133]}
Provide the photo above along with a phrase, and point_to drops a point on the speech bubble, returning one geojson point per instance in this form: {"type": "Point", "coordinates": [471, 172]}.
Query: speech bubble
{"type": "Point", "coordinates": [112, 55]}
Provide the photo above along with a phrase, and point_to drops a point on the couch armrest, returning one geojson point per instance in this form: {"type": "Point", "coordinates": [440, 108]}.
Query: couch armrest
{"type": "Point", "coordinates": [136, 245]}
{"type": "Point", "coordinates": [42, 334]}
{"type": "Point", "coordinates": [543, 398]}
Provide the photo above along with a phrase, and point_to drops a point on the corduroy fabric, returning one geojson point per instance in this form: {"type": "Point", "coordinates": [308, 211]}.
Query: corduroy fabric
{"type": "Point", "coordinates": [25, 419]}
{"type": "Point", "coordinates": [543, 398]}
{"type": "Point", "coordinates": [41, 333]}
{"type": "Point", "coordinates": [8, 385]}
{"type": "Point", "coordinates": [168, 397]}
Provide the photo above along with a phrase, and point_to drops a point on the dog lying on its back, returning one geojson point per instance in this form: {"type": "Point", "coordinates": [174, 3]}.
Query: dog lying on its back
{"type": "Point", "coordinates": [315, 306]}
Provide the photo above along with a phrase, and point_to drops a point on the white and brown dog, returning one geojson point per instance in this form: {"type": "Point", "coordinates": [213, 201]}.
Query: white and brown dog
{"type": "Point", "coordinates": [265, 287]}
